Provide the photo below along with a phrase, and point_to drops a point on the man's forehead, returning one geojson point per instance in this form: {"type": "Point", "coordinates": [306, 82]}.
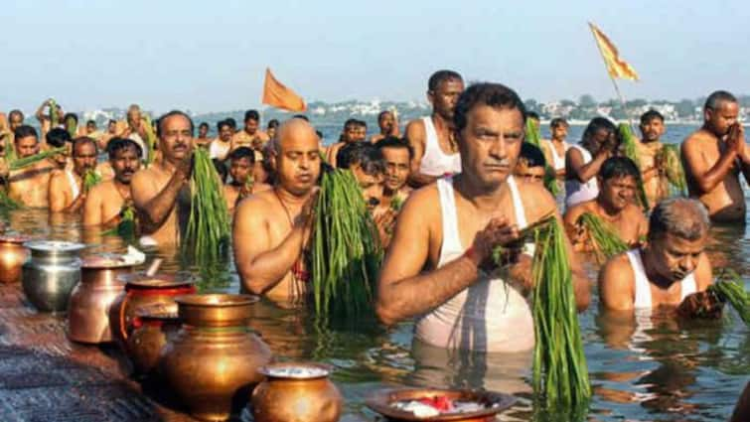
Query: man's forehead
{"type": "Point", "coordinates": [484, 115]}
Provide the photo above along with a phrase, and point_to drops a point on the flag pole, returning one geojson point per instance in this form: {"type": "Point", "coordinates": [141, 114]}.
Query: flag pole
{"type": "Point", "coordinates": [614, 83]}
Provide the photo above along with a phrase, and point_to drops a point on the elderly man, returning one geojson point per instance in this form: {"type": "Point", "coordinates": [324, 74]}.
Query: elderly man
{"type": "Point", "coordinates": [436, 266]}
{"type": "Point", "coordinates": [272, 227]}
{"type": "Point", "coordinates": [672, 270]}
{"type": "Point", "coordinates": [67, 191]}
{"type": "Point", "coordinates": [161, 193]}
{"type": "Point", "coordinates": [713, 157]}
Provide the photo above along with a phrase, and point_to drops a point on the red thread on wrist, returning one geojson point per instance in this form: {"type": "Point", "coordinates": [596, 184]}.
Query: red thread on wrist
{"type": "Point", "coordinates": [471, 254]}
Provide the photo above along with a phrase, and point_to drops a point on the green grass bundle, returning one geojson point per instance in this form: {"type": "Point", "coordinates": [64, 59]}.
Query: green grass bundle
{"type": "Point", "coordinates": [550, 181]}
{"type": "Point", "coordinates": [345, 253]}
{"type": "Point", "coordinates": [730, 288]}
{"type": "Point", "coordinates": [20, 163]}
{"type": "Point", "coordinates": [631, 151]}
{"type": "Point", "coordinates": [72, 127]}
{"type": "Point", "coordinates": [150, 140]}
{"type": "Point", "coordinates": [397, 202]}
{"type": "Point", "coordinates": [602, 236]}
{"type": "Point", "coordinates": [6, 203]}
{"type": "Point", "coordinates": [208, 230]}
{"type": "Point", "coordinates": [90, 179]}
{"type": "Point", "coordinates": [127, 228]}
{"type": "Point", "coordinates": [53, 114]}
{"type": "Point", "coordinates": [560, 375]}
{"type": "Point", "coordinates": [533, 133]}
{"type": "Point", "coordinates": [674, 170]}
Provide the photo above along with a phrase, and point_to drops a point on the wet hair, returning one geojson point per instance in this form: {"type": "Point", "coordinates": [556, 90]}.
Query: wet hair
{"type": "Point", "coordinates": [350, 122]}
{"type": "Point", "coordinates": [533, 115]}
{"type": "Point", "coordinates": [619, 167]}
{"type": "Point", "coordinates": [24, 131]}
{"type": "Point", "coordinates": [116, 145]}
{"type": "Point", "coordinates": [395, 142]}
{"type": "Point", "coordinates": [301, 116]}
{"type": "Point", "coordinates": [558, 121]}
{"type": "Point", "coordinates": [70, 116]}
{"type": "Point", "coordinates": [382, 114]}
{"type": "Point", "coordinates": [232, 123]}
{"type": "Point", "coordinates": [81, 140]}
{"type": "Point", "coordinates": [366, 155]}
{"type": "Point", "coordinates": [650, 115]}
{"type": "Point", "coordinates": [57, 137]}
{"type": "Point", "coordinates": [442, 76]}
{"type": "Point", "coordinates": [221, 123]}
{"type": "Point", "coordinates": [361, 123]}
{"type": "Point", "coordinates": [595, 125]}
{"type": "Point", "coordinates": [243, 152]}
{"type": "Point", "coordinates": [90, 122]}
{"type": "Point", "coordinates": [203, 124]}
{"type": "Point", "coordinates": [173, 113]}
{"type": "Point", "coordinates": [681, 217]}
{"type": "Point", "coordinates": [111, 122]}
{"type": "Point", "coordinates": [15, 112]}
{"type": "Point", "coordinates": [717, 98]}
{"type": "Point", "coordinates": [252, 114]}
{"type": "Point", "coordinates": [490, 94]}
{"type": "Point", "coordinates": [221, 169]}
{"type": "Point", "coordinates": [273, 123]}
{"type": "Point", "coordinates": [532, 155]}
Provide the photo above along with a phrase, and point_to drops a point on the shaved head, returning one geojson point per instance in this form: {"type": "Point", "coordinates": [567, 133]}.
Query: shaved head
{"type": "Point", "coordinates": [293, 131]}
{"type": "Point", "coordinates": [296, 160]}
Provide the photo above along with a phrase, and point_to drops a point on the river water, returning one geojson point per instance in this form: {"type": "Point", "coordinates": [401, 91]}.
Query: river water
{"type": "Point", "coordinates": [646, 370]}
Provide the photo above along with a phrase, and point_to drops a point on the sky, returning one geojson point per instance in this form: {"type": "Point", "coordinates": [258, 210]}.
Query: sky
{"type": "Point", "coordinates": [211, 55]}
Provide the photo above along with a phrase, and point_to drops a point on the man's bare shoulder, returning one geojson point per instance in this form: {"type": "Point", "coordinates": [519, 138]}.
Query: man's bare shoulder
{"type": "Point", "coordinates": [415, 130]}
{"type": "Point", "coordinates": [698, 139]}
{"type": "Point", "coordinates": [259, 205]}
{"type": "Point", "coordinates": [579, 209]}
{"type": "Point", "coordinates": [103, 189]}
{"type": "Point", "coordinates": [617, 271]}
{"type": "Point", "coordinates": [537, 201]}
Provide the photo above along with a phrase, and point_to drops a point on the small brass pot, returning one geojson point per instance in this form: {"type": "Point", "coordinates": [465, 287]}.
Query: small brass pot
{"type": "Point", "coordinates": [12, 256]}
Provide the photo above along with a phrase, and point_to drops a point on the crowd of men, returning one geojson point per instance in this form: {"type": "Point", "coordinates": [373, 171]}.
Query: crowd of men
{"type": "Point", "coordinates": [459, 183]}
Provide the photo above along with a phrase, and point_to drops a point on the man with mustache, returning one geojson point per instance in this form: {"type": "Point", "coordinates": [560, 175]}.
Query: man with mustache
{"type": "Point", "coordinates": [671, 271]}
{"type": "Point", "coordinates": [271, 228]}
{"type": "Point", "coordinates": [242, 185]}
{"type": "Point", "coordinates": [28, 186]}
{"type": "Point", "coordinates": [106, 201]}
{"type": "Point", "coordinates": [349, 134]}
{"type": "Point", "coordinates": [651, 157]}
{"type": "Point", "coordinates": [67, 192]}
{"type": "Point", "coordinates": [221, 146]}
{"type": "Point", "coordinates": [397, 155]}
{"type": "Point", "coordinates": [615, 205]}
{"type": "Point", "coordinates": [439, 267]}
{"type": "Point", "coordinates": [433, 138]}
{"type": "Point", "coordinates": [388, 126]}
{"type": "Point", "coordinates": [250, 136]}
{"type": "Point", "coordinates": [584, 160]}
{"type": "Point", "coordinates": [161, 193]}
{"type": "Point", "coordinates": [713, 157]}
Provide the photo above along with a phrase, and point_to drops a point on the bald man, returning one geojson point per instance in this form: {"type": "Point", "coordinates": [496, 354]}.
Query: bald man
{"type": "Point", "coordinates": [272, 227]}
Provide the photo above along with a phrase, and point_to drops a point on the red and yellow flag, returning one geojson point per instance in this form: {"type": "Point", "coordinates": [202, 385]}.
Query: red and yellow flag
{"type": "Point", "coordinates": [277, 95]}
{"type": "Point", "coordinates": [617, 67]}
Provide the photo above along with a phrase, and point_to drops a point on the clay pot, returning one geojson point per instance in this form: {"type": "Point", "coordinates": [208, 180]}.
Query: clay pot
{"type": "Point", "coordinates": [49, 276]}
{"type": "Point", "coordinates": [12, 256]}
{"type": "Point", "coordinates": [88, 308]}
{"type": "Point", "coordinates": [141, 291]}
{"type": "Point", "coordinates": [154, 327]}
{"type": "Point", "coordinates": [301, 397]}
{"type": "Point", "coordinates": [212, 364]}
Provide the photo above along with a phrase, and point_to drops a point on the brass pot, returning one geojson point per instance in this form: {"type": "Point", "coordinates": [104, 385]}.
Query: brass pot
{"type": "Point", "coordinates": [141, 291]}
{"type": "Point", "coordinates": [154, 327]}
{"type": "Point", "coordinates": [88, 307]}
{"type": "Point", "coordinates": [212, 363]}
{"type": "Point", "coordinates": [49, 276]}
{"type": "Point", "coordinates": [285, 396]}
{"type": "Point", "coordinates": [12, 256]}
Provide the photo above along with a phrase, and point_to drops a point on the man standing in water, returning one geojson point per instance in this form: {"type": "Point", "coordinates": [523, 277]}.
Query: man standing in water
{"type": "Point", "coordinates": [397, 155]}
{"type": "Point", "coordinates": [161, 193]}
{"type": "Point", "coordinates": [271, 228]}
{"type": "Point", "coordinates": [251, 136]}
{"type": "Point", "coordinates": [349, 134]}
{"type": "Point", "coordinates": [28, 186]}
{"type": "Point", "coordinates": [242, 164]}
{"type": "Point", "coordinates": [556, 148]}
{"type": "Point", "coordinates": [461, 299]}
{"type": "Point", "coordinates": [388, 126]}
{"type": "Point", "coordinates": [583, 162]}
{"type": "Point", "coordinates": [106, 201]}
{"type": "Point", "coordinates": [67, 192]}
{"type": "Point", "coordinates": [432, 137]}
{"type": "Point", "coordinates": [713, 157]}
{"type": "Point", "coordinates": [203, 140]}
{"type": "Point", "coordinates": [672, 270]}
{"type": "Point", "coordinates": [221, 146]}
{"type": "Point", "coordinates": [650, 157]}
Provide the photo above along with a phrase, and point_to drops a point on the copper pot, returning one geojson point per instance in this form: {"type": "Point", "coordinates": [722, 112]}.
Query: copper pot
{"type": "Point", "coordinates": [212, 364]}
{"type": "Point", "coordinates": [140, 291]}
{"type": "Point", "coordinates": [88, 307]}
{"type": "Point", "coordinates": [300, 397]}
{"type": "Point", "coordinates": [154, 327]}
{"type": "Point", "coordinates": [12, 256]}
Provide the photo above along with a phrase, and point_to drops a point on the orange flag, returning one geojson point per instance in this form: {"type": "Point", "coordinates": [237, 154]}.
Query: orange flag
{"type": "Point", "coordinates": [617, 67]}
{"type": "Point", "coordinates": [277, 95]}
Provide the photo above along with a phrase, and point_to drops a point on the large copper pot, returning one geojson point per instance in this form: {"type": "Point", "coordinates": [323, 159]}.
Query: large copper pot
{"type": "Point", "coordinates": [212, 364]}
{"type": "Point", "coordinates": [49, 276]}
{"type": "Point", "coordinates": [299, 392]}
{"type": "Point", "coordinates": [140, 291]}
{"type": "Point", "coordinates": [12, 256]}
{"type": "Point", "coordinates": [155, 326]}
{"type": "Point", "coordinates": [88, 308]}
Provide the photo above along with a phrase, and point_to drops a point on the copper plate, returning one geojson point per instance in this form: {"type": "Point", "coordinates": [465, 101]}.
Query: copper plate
{"type": "Point", "coordinates": [158, 281]}
{"type": "Point", "coordinates": [381, 400]}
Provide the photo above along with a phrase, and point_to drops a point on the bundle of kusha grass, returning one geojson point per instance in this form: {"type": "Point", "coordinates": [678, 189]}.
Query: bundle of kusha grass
{"type": "Point", "coordinates": [53, 113]}
{"type": "Point", "coordinates": [533, 134]}
{"type": "Point", "coordinates": [90, 179]}
{"type": "Point", "coordinates": [20, 163]}
{"type": "Point", "coordinates": [671, 158]}
{"type": "Point", "coordinates": [7, 203]}
{"type": "Point", "coordinates": [127, 227]}
{"type": "Point", "coordinates": [560, 375]}
{"type": "Point", "coordinates": [631, 151]}
{"type": "Point", "coordinates": [534, 137]}
{"type": "Point", "coordinates": [345, 251]}
{"type": "Point", "coordinates": [729, 287]}
{"type": "Point", "coordinates": [150, 140]}
{"type": "Point", "coordinates": [208, 230]}
{"type": "Point", "coordinates": [603, 237]}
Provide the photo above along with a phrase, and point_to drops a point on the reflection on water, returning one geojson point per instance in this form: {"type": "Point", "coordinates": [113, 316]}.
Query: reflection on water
{"type": "Point", "coordinates": [648, 370]}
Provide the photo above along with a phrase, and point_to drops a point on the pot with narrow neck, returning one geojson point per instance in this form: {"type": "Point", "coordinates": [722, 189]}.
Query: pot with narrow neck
{"type": "Point", "coordinates": [51, 273]}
